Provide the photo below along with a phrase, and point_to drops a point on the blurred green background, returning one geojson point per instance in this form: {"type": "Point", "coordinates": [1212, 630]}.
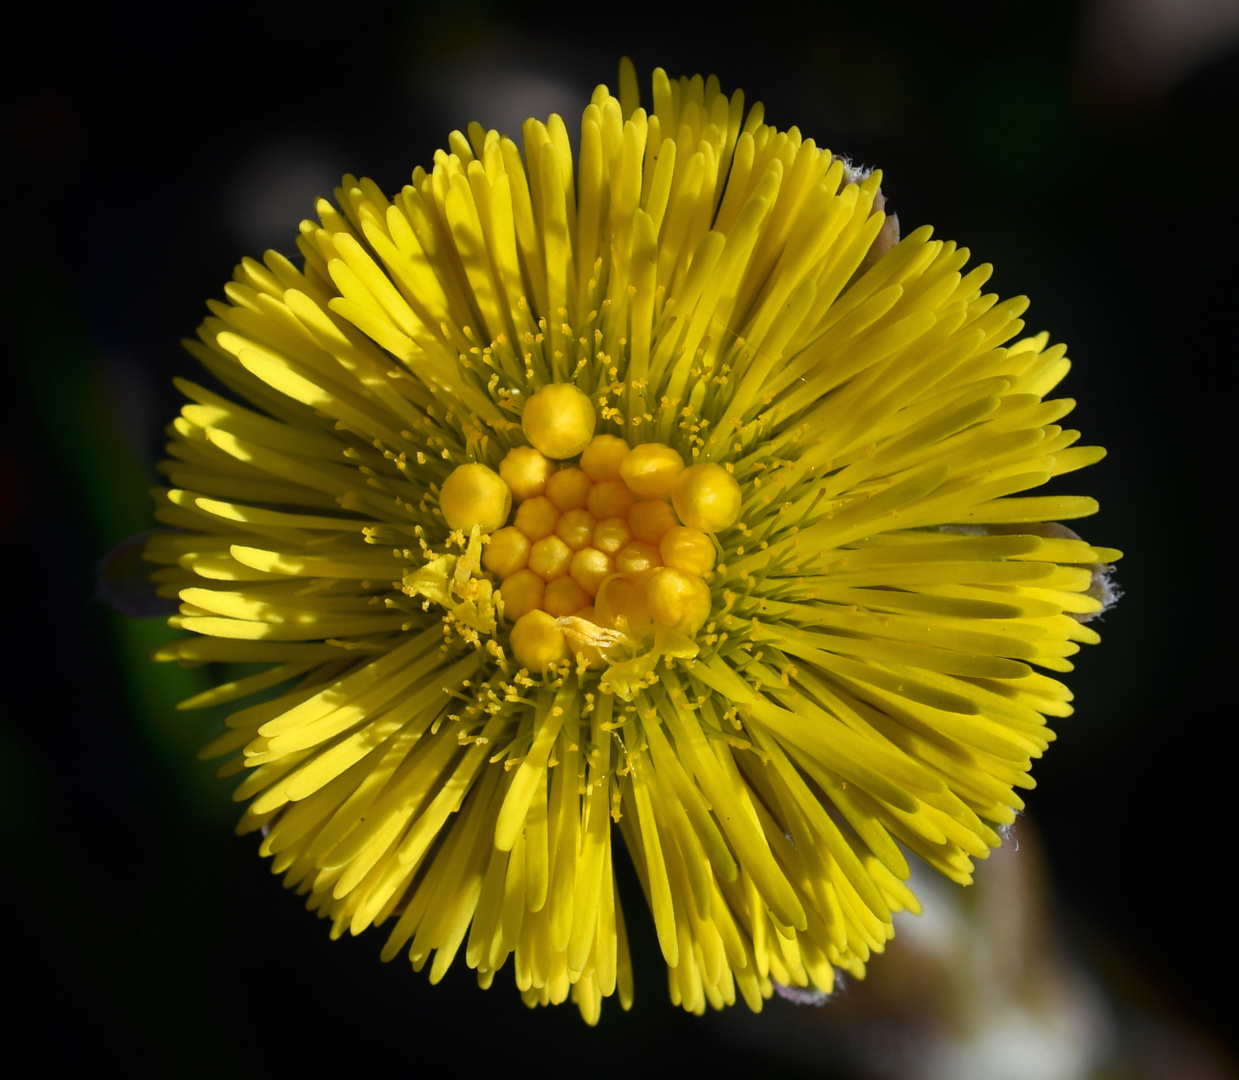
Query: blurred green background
{"type": "Point", "coordinates": [1083, 148]}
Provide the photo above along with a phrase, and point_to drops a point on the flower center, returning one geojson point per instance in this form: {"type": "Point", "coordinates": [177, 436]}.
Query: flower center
{"type": "Point", "coordinates": [600, 550]}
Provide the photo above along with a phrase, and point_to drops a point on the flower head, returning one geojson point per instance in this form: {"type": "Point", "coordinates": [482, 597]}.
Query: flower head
{"type": "Point", "coordinates": [662, 497]}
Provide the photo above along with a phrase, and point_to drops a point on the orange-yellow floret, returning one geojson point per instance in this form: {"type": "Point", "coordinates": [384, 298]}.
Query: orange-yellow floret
{"type": "Point", "coordinates": [521, 593]}
{"type": "Point", "coordinates": [474, 494]}
{"type": "Point", "coordinates": [507, 552]}
{"type": "Point", "coordinates": [621, 604]}
{"type": "Point", "coordinates": [568, 489]}
{"type": "Point", "coordinates": [602, 457]}
{"type": "Point", "coordinates": [537, 517]}
{"type": "Point", "coordinates": [707, 497]}
{"type": "Point", "coordinates": [559, 420]}
{"type": "Point", "coordinates": [650, 470]}
{"type": "Point", "coordinates": [687, 549]}
{"type": "Point", "coordinates": [609, 498]}
{"type": "Point", "coordinates": [576, 528]}
{"type": "Point", "coordinates": [526, 470]}
{"type": "Point", "coordinates": [636, 558]}
{"type": "Point", "coordinates": [537, 642]}
{"type": "Point", "coordinates": [678, 600]}
{"type": "Point", "coordinates": [590, 568]}
{"type": "Point", "coordinates": [611, 534]}
{"type": "Point", "coordinates": [602, 538]}
{"type": "Point", "coordinates": [564, 596]}
{"type": "Point", "coordinates": [550, 558]}
{"type": "Point", "coordinates": [651, 520]}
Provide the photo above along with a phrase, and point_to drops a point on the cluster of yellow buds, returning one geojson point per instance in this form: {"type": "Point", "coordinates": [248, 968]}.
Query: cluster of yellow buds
{"type": "Point", "coordinates": [601, 548]}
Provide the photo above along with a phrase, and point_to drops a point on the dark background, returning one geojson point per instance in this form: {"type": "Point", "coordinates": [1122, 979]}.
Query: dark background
{"type": "Point", "coordinates": [1084, 151]}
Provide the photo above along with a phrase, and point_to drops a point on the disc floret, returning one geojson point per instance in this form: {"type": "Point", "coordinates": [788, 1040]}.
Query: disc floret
{"type": "Point", "coordinates": [474, 494]}
{"type": "Point", "coordinates": [597, 552]}
{"type": "Point", "coordinates": [706, 497]}
{"type": "Point", "coordinates": [559, 421]}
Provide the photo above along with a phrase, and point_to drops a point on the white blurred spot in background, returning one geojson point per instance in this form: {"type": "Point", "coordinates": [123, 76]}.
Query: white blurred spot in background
{"type": "Point", "coordinates": [986, 985]}
{"type": "Point", "coordinates": [274, 189]}
{"type": "Point", "coordinates": [503, 97]}
{"type": "Point", "coordinates": [1138, 49]}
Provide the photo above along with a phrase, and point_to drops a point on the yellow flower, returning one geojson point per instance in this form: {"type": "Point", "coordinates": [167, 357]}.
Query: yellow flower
{"type": "Point", "coordinates": [665, 491]}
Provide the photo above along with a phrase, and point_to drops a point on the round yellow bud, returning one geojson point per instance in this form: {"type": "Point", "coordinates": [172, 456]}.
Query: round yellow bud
{"type": "Point", "coordinates": [537, 517]}
{"type": "Point", "coordinates": [525, 471]}
{"type": "Point", "coordinates": [564, 596]}
{"type": "Point", "coordinates": [590, 568]}
{"type": "Point", "coordinates": [687, 549]}
{"type": "Point", "coordinates": [537, 641]}
{"type": "Point", "coordinates": [706, 497]}
{"type": "Point", "coordinates": [559, 420]}
{"type": "Point", "coordinates": [568, 489]}
{"type": "Point", "coordinates": [611, 534]}
{"type": "Point", "coordinates": [475, 495]}
{"type": "Point", "coordinates": [575, 528]}
{"type": "Point", "coordinates": [650, 470]}
{"type": "Point", "coordinates": [678, 600]}
{"type": "Point", "coordinates": [521, 593]}
{"type": "Point", "coordinates": [601, 458]}
{"type": "Point", "coordinates": [608, 499]}
{"type": "Point", "coordinates": [636, 558]}
{"type": "Point", "coordinates": [550, 558]}
{"type": "Point", "coordinates": [651, 520]}
{"type": "Point", "coordinates": [507, 552]}
{"type": "Point", "coordinates": [621, 605]}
